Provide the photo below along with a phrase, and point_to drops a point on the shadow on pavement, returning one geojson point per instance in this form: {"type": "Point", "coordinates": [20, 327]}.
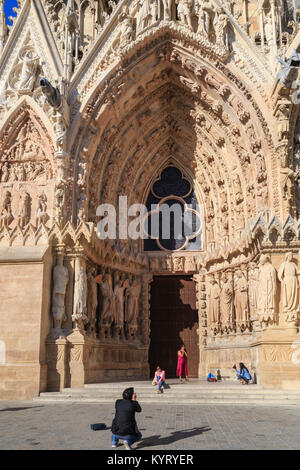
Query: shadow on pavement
{"type": "Point", "coordinates": [156, 440]}
{"type": "Point", "coordinates": [21, 408]}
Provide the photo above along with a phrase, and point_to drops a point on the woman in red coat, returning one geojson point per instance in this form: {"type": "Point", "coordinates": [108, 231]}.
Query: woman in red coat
{"type": "Point", "coordinates": [182, 364]}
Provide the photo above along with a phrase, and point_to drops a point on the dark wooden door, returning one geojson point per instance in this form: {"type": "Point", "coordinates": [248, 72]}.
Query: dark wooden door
{"type": "Point", "coordinates": [174, 321]}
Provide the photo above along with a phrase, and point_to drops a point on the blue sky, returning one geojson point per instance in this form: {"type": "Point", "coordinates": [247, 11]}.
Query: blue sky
{"type": "Point", "coordinates": [9, 4]}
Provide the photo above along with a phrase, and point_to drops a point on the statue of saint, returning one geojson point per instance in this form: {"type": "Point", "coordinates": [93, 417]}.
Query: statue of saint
{"type": "Point", "coordinates": [132, 306]}
{"type": "Point", "coordinates": [167, 9]}
{"type": "Point", "coordinates": [108, 304]}
{"type": "Point", "coordinates": [80, 294]}
{"type": "Point", "coordinates": [241, 299]}
{"type": "Point", "coordinates": [119, 319]}
{"type": "Point", "coordinates": [92, 301]}
{"type": "Point", "coordinates": [28, 72]}
{"type": "Point", "coordinates": [5, 210]}
{"type": "Point", "coordinates": [213, 313]}
{"type": "Point", "coordinates": [287, 275]}
{"type": "Point", "coordinates": [60, 282]}
{"type": "Point", "coordinates": [253, 290]}
{"type": "Point", "coordinates": [24, 210]}
{"type": "Point", "coordinates": [267, 290]}
{"type": "Point", "coordinates": [226, 301]}
{"type": "Point", "coordinates": [184, 11]}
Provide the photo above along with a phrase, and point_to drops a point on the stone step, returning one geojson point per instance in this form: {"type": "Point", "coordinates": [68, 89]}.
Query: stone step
{"type": "Point", "coordinates": [157, 399]}
{"type": "Point", "coordinates": [144, 394]}
{"type": "Point", "coordinates": [196, 391]}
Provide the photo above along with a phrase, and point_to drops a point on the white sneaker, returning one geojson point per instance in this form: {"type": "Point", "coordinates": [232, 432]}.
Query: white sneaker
{"type": "Point", "coordinates": [114, 446]}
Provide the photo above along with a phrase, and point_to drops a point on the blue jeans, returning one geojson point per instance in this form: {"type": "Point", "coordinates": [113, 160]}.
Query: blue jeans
{"type": "Point", "coordinates": [160, 384]}
{"type": "Point", "coordinates": [130, 439]}
{"type": "Point", "coordinates": [240, 377]}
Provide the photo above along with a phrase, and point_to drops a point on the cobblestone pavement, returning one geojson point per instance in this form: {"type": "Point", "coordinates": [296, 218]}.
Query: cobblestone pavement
{"type": "Point", "coordinates": [30, 425]}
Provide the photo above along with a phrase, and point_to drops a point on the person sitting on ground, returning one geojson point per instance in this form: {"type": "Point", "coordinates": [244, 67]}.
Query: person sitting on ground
{"type": "Point", "coordinates": [159, 379]}
{"type": "Point", "coordinates": [124, 426]}
{"type": "Point", "coordinates": [243, 374]}
{"type": "Point", "coordinates": [211, 378]}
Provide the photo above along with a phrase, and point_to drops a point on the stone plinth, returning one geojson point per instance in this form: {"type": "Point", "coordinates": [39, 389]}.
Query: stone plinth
{"type": "Point", "coordinates": [276, 358]}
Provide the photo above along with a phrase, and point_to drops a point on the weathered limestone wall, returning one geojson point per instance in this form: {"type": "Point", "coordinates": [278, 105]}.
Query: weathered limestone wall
{"type": "Point", "coordinates": [24, 306]}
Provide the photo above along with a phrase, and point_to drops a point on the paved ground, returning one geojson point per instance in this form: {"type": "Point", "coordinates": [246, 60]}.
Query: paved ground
{"type": "Point", "coordinates": [29, 425]}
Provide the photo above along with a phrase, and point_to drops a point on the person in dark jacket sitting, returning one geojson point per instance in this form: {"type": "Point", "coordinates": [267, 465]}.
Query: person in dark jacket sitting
{"type": "Point", "coordinates": [124, 426]}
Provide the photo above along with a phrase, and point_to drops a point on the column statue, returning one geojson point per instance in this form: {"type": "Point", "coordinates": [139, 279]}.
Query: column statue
{"type": "Point", "coordinates": [213, 295]}
{"type": "Point", "coordinates": [119, 320]}
{"type": "Point", "coordinates": [80, 294]}
{"type": "Point", "coordinates": [241, 300]}
{"type": "Point", "coordinates": [133, 292]}
{"type": "Point", "coordinates": [267, 290]}
{"type": "Point", "coordinates": [226, 301]}
{"type": "Point", "coordinates": [107, 314]}
{"type": "Point", "coordinates": [60, 282]}
{"type": "Point", "coordinates": [287, 275]}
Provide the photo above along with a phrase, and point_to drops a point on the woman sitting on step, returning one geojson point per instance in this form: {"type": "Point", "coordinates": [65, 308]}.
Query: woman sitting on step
{"type": "Point", "coordinates": [243, 374]}
{"type": "Point", "coordinates": [159, 379]}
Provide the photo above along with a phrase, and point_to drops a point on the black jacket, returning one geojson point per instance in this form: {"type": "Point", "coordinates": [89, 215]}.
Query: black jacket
{"type": "Point", "coordinates": [124, 423]}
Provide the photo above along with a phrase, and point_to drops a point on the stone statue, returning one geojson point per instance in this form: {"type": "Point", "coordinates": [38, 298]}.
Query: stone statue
{"type": "Point", "coordinates": [205, 11]}
{"type": "Point", "coordinates": [107, 314]}
{"type": "Point", "coordinates": [226, 301]}
{"type": "Point", "coordinates": [167, 4]}
{"type": "Point", "coordinates": [60, 282]}
{"type": "Point", "coordinates": [241, 300]}
{"type": "Point", "coordinates": [221, 28]}
{"type": "Point", "coordinates": [146, 14]}
{"type": "Point", "coordinates": [184, 11]}
{"type": "Point", "coordinates": [5, 173]}
{"type": "Point", "coordinates": [30, 64]}
{"type": "Point", "coordinates": [268, 26]}
{"type": "Point", "coordinates": [253, 277]}
{"type": "Point", "coordinates": [24, 210]}
{"type": "Point", "coordinates": [80, 294]}
{"type": "Point", "coordinates": [41, 215]}
{"type": "Point", "coordinates": [267, 290]}
{"type": "Point", "coordinates": [92, 301]}
{"type": "Point", "coordinates": [213, 311]}
{"type": "Point", "coordinates": [126, 27]}
{"type": "Point", "coordinates": [52, 94]}
{"type": "Point", "coordinates": [6, 213]}
{"type": "Point", "coordinates": [287, 275]}
{"type": "Point", "coordinates": [132, 306]}
{"type": "Point", "coordinates": [119, 319]}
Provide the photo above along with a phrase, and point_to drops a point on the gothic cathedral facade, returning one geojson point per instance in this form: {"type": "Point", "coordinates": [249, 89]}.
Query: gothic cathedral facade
{"type": "Point", "coordinates": [137, 102]}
